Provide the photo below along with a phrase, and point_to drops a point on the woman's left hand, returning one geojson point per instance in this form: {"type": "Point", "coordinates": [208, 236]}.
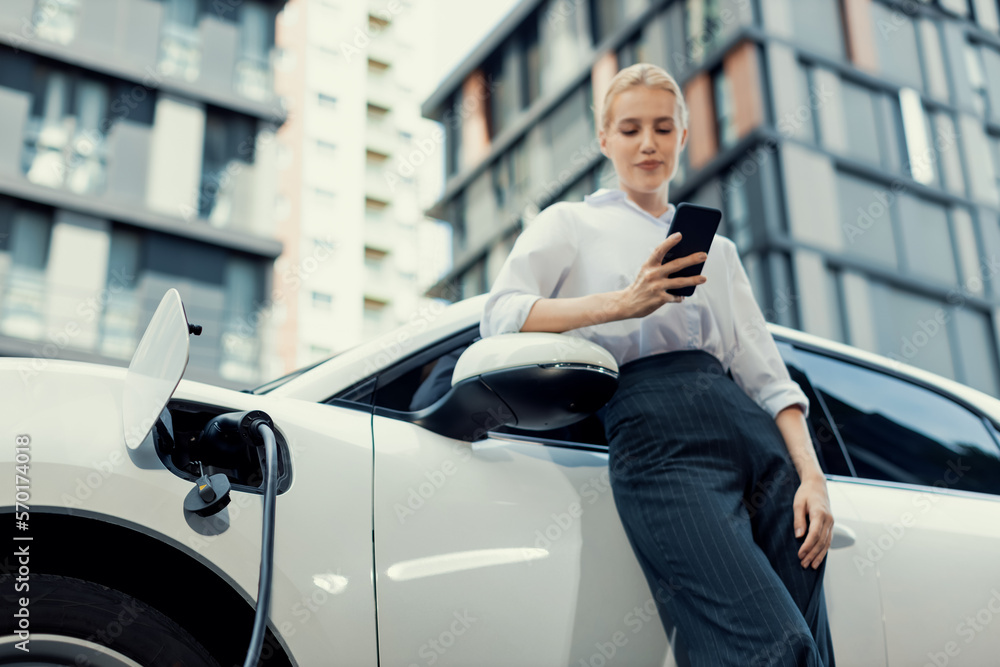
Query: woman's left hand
{"type": "Point", "coordinates": [812, 507]}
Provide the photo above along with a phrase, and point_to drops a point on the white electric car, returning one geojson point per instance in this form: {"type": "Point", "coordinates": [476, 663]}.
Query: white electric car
{"type": "Point", "coordinates": [444, 500]}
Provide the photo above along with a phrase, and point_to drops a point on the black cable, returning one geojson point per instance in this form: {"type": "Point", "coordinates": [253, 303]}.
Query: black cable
{"type": "Point", "coordinates": [266, 546]}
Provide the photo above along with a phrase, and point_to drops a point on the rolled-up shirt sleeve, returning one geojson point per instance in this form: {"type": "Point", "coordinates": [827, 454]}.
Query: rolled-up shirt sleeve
{"type": "Point", "coordinates": [756, 363]}
{"type": "Point", "coordinates": [536, 265]}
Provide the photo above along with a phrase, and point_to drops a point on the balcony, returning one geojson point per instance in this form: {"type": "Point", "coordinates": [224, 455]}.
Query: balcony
{"type": "Point", "coordinates": [59, 155]}
{"type": "Point", "coordinates": [180, 52]}
{"type": "Point", "coordinates": [376, 185]}
{"type": "Point", "coordinates": [379, 234]}
{"type": "Point", "coordinates": [254, 78]}
{"type": "Point", "coordinates": [55, 20]}
{"type": "Point", "coordinates": [381, 87]}
{"type": "Point", "coordinates": [22, 307]}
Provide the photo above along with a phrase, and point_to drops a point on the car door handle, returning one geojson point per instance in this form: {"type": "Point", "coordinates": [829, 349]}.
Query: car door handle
{"type": "Point", "coordinates": [842, 537]}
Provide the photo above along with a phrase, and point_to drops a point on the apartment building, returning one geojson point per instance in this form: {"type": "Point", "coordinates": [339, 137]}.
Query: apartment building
{"type": "Point", "coordinates": [359, 252]}
{"type": "Point", "coordinates": [137, 153]}
{"type": "Point", "coordinates": [852, 145]}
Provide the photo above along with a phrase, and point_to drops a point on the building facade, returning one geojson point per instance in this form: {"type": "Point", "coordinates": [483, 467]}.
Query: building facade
{"type": "Point", "coordinates": [137, 153]}
{"type": "Point", "coordinates": [852, 145]}
{"type": "Point", "coordinates": [359, 253]}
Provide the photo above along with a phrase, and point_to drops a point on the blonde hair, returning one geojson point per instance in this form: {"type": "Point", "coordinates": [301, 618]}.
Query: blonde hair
{"type": "Point", "coordinates": [643, 74]}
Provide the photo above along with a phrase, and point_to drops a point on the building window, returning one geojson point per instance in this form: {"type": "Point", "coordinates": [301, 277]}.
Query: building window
{"type": "Point", "coordinates": [898, 52]}
{"type": "Point", "coordinates": [957, 7]}
{"type": "Point", "coordinates": [569, 133]}
{"type": "Point", "coordinates": [562, 40]}
{"type": "Point", "coordinates": [253, 68]}
{"type": "Point", "coordinates": [708, 26]}
{"type": "Point", "coordinates": [452, 121]}
{"type": "Point", "coordinates": [180, 43]}
{"type": "Point", "coordinates": [977, 350]}
{"type": "Point", "coordinates": [377, 113]}
{"type": "Point", "coordinates": [377, 24]}
{"type": "Point", "coordinates": [319, 351]}
{"type": "Point", "coordinates": [734, 197]}
{"type": "Point", "coordinates": [860, 122]}
{"type": "Point", "coordinates": [55, 20]}
{"type": "Point", "coordinates": [229, 146]}
{"type": "Point", "coordinates": [899, 315]}
{"type": "Point", "coordinates": [504, 70]}
{"type": "Point", "coordinates": [374, 157]}
{"type": "Point", "coordinates": [65, 134]}
{"type": "Point", "coordinates": [241, 322]}
{"type": "Point", "coordinates": [866, 219]}
{"type": "Point", "coordinates": [725, 114]}
{"type": "Point", "coordinates": [916, 130]}
{"type": "Point", "coordinates": [817, 25]}
{"type": "Point", "coordinates": [27, 236]}
{"type": "Point", "coordinates": [374, 313]}
{"type": "Point", "coordinates": [377, 67]}
{"type": "Point", "coordinates": [122, 312]}
{"type": "Point", "coordinates": [322, 301]}
{"type": "Point", "coordinates": [927, 245]}
{"type": "Point", "coordinates": [974, 67]}
{"type": "Point", "coordinates": [989, 84]}
{"type": "Point", "coordinates": [607, 16]}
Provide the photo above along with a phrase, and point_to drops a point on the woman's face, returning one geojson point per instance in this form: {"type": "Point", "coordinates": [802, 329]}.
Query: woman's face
{"type": "Point", "coordinates": [643, 139]}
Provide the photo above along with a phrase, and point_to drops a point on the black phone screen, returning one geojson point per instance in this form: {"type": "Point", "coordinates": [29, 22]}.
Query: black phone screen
{"type": "Point", "coordinates": [697, 225]}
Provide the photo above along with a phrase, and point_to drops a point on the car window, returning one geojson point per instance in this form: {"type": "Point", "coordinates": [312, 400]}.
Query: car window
{"type": "Point", "coordinates": [830, 450]}
{"type": "Point", "coordinates": [898, 431]}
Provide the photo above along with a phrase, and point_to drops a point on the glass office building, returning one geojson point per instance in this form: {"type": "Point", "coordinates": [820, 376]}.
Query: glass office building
{"type": "Point", "coordinates": [137, 154]}
{"type": "Point", "coordinates": [852, 145]}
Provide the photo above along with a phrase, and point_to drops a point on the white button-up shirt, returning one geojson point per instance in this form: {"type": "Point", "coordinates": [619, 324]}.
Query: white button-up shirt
{"type": "Point", "coordinates": [598, 245]}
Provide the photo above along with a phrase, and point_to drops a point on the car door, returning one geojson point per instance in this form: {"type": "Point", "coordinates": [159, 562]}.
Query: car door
{"type": "Point", "coordinates": [925, 484]}
{"type": "Point", "coordinates": [852, 599]}
{"type": "Point", "coordinates": [508, 549]}
{"type": "Point", "coordinates": [505, 550]}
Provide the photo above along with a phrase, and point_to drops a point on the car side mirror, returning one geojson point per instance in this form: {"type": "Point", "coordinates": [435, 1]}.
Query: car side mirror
{"type": "Point", "coordinates": [532, 380]}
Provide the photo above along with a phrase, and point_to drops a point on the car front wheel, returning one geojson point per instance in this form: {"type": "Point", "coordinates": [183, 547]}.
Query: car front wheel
{"type": "Point", "coordinates": [75, 622]}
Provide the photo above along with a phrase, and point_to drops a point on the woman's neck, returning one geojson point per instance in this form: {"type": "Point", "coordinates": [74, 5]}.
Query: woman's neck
{"type": "Point", "coordinates": [654, 203]}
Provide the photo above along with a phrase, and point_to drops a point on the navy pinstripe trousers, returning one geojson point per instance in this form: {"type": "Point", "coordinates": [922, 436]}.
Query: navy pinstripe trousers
{"type": "Point", "coordinates": [703, 484]}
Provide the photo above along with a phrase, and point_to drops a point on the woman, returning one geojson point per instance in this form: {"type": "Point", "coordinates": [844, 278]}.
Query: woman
{"type": "Point", "coordinates": [715, 479]}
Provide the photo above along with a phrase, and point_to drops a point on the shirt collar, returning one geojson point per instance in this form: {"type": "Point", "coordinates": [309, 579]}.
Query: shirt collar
{"type": "Point", "coordinates": [607, 195]}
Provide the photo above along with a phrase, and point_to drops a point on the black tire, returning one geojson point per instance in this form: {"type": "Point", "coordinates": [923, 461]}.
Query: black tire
{"type": "Point", "coordinates": [91, 624]}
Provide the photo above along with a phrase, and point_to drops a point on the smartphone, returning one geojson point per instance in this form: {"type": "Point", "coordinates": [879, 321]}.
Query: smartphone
{"type": "Point", "coordinates": [697, 225]}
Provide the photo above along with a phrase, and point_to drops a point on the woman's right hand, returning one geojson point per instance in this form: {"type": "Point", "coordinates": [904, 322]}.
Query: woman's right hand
{"type": "Point", "coordinates": [648, 291]}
